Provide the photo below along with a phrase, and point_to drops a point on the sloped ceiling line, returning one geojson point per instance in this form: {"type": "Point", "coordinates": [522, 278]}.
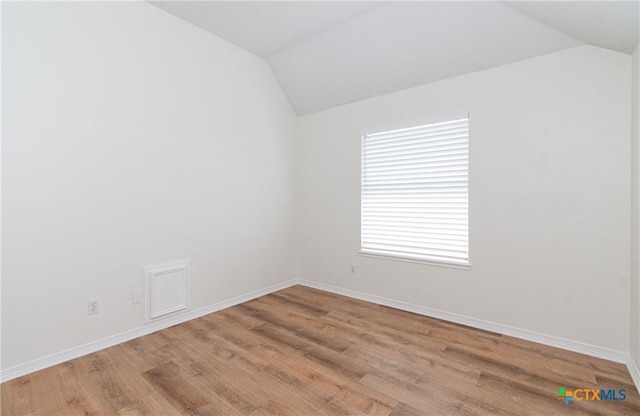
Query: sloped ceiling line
{"type": "Point", "coordinates": [325, 54]}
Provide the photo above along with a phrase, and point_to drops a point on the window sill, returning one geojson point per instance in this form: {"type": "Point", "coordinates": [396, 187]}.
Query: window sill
{"type": "Point", "coordinates": [451, 265]}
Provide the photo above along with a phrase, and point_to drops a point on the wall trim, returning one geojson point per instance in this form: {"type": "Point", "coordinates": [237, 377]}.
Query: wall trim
{"type": "Point", "coordinates": [634, 370]}
{"type": "Point", "coordinates": [91, 347]}
{"type": "Point", "coordinates": [76, 352]}
{"type": "Point", "coordinates": [550, 340]}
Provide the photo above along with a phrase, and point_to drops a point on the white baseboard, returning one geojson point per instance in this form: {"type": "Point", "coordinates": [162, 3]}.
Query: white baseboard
{"type": "Point", "coordinates": [575, 346]}
{"type": "Point", "coordinates": [75, 352]}
{"type": "Point", "coordinates": [634, 371]}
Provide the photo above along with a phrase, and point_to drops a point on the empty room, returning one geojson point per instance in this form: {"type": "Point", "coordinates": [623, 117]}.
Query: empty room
{"type": "Point", "coordinates": [320, 208]}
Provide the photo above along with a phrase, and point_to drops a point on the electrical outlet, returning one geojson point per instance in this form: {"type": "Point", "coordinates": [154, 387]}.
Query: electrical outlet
{"type": "Point", "coordinates": [94, 306]}
{"type": "Point", "coordinates": [353, 269]}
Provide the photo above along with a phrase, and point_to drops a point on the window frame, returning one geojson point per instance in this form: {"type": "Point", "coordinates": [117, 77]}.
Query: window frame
{"type": "Point", "coordinates": [411, 259]}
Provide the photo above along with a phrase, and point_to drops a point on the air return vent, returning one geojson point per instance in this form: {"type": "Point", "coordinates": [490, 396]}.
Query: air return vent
{"type": "Point", "coordinates": [166, 289]}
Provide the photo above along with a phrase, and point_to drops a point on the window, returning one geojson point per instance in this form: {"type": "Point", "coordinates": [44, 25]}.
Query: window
{"type": "Point", "coordinates": [415, 202]}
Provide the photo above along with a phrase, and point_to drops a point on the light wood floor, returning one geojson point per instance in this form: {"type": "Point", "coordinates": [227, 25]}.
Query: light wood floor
{"type": "Point", "coordinates": [302, 351]}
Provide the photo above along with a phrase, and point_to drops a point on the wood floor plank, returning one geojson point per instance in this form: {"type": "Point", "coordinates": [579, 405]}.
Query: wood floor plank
{"type": "Point", "coordinates": [384, 333]}
{"type": "Point", "coordinates": [305, 352]}
{"type": "Point", "coordinates": [336, 362]}
{"type": "Point", "coordinates": [216, 374]}
{"type": "Point", "coordinates": [407, 393]}
{"type": "Point", "coordinates": [517, 366]}
{"type": "Point", "coordinates": [413, 366]}
{"type": "Point", "coordinates": [185, 397]}
{"type": "Point", "coordinates": [304, 307]}
{"type": "Point", "coordinates": [316, 322]}
{"type": "Point", "coordinates": [112, 382]}
{"type": "Point", "coordinates": [77, 396]}
{"type": "Point", "coordinates": [308, 334]}
{"type": "Point", "coordinates": [531, 396]}
{"type": "Point", "coordinates": [22, 397]}
{"type": "Point", "coordinates": [324, 379]}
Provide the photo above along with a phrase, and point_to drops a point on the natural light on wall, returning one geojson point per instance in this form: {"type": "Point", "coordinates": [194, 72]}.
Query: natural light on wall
{"type": "Point", "coordinates": [415, 197]}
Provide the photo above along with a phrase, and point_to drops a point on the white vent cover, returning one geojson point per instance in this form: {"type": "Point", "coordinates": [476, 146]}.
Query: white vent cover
{"type": "Point", "coordinates": [166, 289]}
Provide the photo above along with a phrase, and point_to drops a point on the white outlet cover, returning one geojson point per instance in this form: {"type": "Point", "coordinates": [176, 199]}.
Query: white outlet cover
{"type": "Point", "coordinates": [136, 297]}
{"type": "Point", "coordinates": [93, 306]}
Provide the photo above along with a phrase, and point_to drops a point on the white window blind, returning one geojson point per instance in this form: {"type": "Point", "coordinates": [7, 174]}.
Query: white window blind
{"type": "Point", "coordinates": [415, 200]}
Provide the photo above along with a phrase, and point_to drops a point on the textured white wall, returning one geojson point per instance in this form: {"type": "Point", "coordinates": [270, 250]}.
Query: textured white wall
{"type": "Point", "coordinates": [549, 196]}
{"type": "Point", "coordinates": [132, 137]}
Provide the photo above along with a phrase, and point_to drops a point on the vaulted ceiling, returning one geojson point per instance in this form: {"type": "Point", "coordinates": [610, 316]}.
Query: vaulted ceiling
{"type": "Point", "coordinates": [325, 54]}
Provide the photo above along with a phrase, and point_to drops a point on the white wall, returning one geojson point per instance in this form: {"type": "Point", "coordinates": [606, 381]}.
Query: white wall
{"type": "Point", "coordinates": [131, 137]}
{"type": "Point", "coordinates": [550, 203]}
{"type": "Point", "coordinates": [635, 211]}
